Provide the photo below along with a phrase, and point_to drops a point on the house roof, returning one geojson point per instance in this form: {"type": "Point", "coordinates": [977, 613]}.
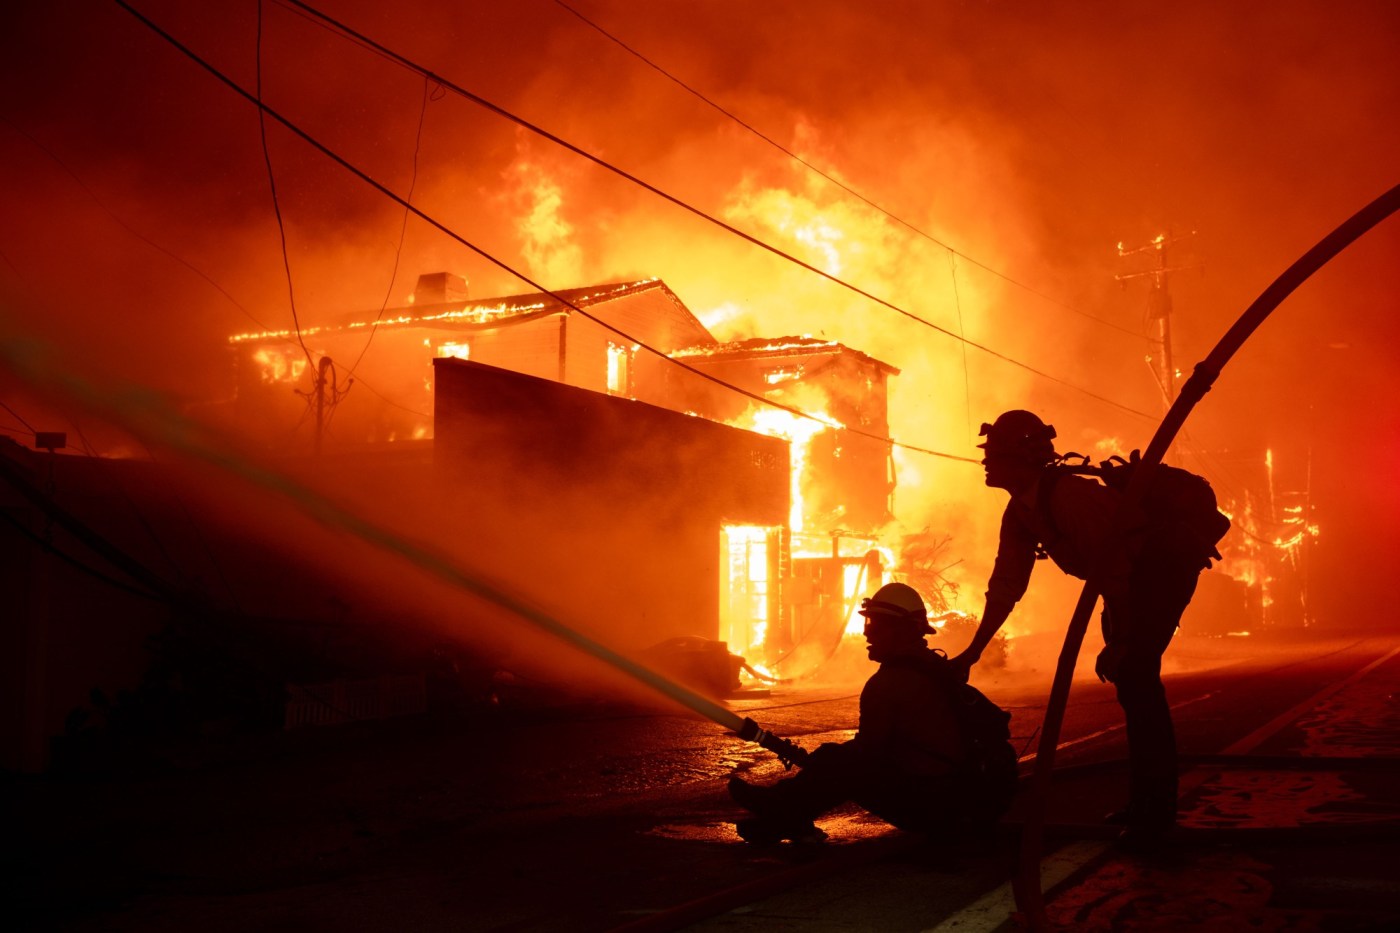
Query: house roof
{"type": "Point", "coordinates": [762, 348]}
{"type": "Point", "coordinates": [487, 312]}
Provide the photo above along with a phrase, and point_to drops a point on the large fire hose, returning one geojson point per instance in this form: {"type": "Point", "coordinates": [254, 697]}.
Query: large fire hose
{"type": "Point", "coordinates": [1026, 883]}
{"type": "Point", "coordinates": [151, 418]}
{"type": "Point", "coordinates": [788, 752]}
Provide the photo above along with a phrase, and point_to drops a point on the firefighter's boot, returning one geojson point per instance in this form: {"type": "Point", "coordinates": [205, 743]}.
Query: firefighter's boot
{"type": "Point", "coordinates": [775, 817]}
{"type": "Point", "coordinates": [764, 831]}
{"type": "Point", "coordinates": [758, 799]}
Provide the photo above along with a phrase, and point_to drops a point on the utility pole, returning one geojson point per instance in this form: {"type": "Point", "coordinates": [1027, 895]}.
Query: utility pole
{"type": "Point", "coordinates": [322, 369]}
{"type": "Point", "coordinates": [325, 394]}
{"type": "Point", "coordinates": [1159, 309]}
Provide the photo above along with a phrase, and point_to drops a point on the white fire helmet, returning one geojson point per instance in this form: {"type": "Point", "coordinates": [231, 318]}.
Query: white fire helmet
{"type": "Point", "coordinates": [896, 601]}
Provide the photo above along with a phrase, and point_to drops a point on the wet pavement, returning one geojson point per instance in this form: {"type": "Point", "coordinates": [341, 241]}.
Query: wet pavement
{"type": "Point", "coordinates": [597, 818]}
{"type": "Point", "coordinates": [1302, 833]}
{"type": "Point", "coordinates": [1275, 846]}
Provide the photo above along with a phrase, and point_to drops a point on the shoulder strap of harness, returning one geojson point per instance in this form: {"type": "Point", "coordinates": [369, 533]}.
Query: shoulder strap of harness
{"type": "Point", "coordinates": [1045, 489]}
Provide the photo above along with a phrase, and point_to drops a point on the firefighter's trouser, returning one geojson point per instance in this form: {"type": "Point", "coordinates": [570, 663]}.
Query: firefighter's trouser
{"type": "Point", "coordinates": [1144, 621]}
{"type": "Point", "coordinates": [837, 773]}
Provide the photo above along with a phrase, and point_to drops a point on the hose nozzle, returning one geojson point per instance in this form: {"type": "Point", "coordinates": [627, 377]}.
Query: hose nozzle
{"type": "Point", "coordinates": [789, 753]}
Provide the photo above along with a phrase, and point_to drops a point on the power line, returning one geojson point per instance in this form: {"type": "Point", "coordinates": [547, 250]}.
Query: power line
{"type": "Point", "coordinates": [83, 442]}
{"type": "Point", "coordinates": [622, 173]}
{"type": "Point", "coordinates": [14, 475]}
{"type": "Point", "coordinates": [78, 564]}
{"type": "Point", "coordinates": [1213, 469]}
{"type": "Point", "coordinates": [398, 252]}
{"type": "Point", "coordinates": [382, 189]}
{"type": "Point", "coordinates": [957, 303]}
{"type": "Point", "coordinates": [151, 587]}
{"type": "Point", "coordinates": [117, 219]}
{"type": "Point", "coordinates": [272, 184]}
{"type": "Point", "coordinates": [127, 227]}
{"type": "Point", "coordinates": [837, 181]}
{"type": "Point", "coordinates": [21, 419]}
{"type": "Point", "coordinates": [403, 228]}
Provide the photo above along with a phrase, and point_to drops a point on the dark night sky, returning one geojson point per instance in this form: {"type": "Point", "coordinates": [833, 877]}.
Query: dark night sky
{"type": "Point", "coordinates": [1029, 137]}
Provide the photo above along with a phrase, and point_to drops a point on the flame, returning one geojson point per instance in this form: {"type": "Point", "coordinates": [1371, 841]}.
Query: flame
{"type": "Point", "coordinates": [457, 351]}
{"type": "Point", "coordinates": [798, 432]}
{"type": "Point", "coordinates": [746, 626]}
{"type": "Point", "coordinates": [551, 250]}
{"type": "Point", "coordinates": [822, 237]}
{"type": "Point", "coordinates": [853, 584]}
{"type": "Point", "coordinates": [744, 615]}
{"type": "Point", "coordinates": [765, 673]}
{"type": "Point", "coordinates": [721, 315]}
{"type": "Point", "coordinates": [796, 217]}
{"type": "Point", "coordinates": [276, 365]}
{"type": "Point", "coordinates": [1268, 551]}
{"type": "Point", "coordinates": [773, 377]}
{"type": "Point", "coordinates": [620, 368]}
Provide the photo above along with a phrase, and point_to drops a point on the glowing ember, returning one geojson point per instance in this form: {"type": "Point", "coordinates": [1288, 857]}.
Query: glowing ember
{"type": "Point", "coordinates": [804, 344]}
{"type": "Point", "coordinates": [475, 312]}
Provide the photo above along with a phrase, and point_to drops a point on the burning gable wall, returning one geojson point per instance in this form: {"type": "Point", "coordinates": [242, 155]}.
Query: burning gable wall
{"type": "Point", "coordinates": [847, 479]}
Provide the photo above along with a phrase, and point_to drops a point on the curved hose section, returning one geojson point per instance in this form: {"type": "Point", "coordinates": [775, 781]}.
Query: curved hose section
{"type": "Point", "coordinates": [1026, 884]}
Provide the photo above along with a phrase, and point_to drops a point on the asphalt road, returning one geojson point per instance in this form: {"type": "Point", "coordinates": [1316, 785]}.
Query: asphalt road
{"type": "Point", "coordinates": [582, 818]}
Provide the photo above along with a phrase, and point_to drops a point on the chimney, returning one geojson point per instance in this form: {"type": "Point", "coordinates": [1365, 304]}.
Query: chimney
{"type": "Point", "coordinates": [440, 288]}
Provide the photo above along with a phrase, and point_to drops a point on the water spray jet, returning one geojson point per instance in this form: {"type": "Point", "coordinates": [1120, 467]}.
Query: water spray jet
{"type": "Point", "coordinates": [147, 416]}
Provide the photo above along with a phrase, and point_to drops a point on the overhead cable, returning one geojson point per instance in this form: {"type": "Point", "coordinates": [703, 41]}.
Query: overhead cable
{"type": "Point", "coordinates": [684, 205]}
{"type": "Point", "coordinates": [117, 219]}
{"type": "Point", "coordinates": [837, 181]}
{"type": "Point", "coordinates": [441, 227]}
{"type": "Point", "coordinates": [403, 227]}
{"type": "Point", "coordinates": [20, 417]}
{"type": "Point", "coordinates": [15, 476]}
{"type": "Point", "coordinates": [276, 204]}
{"type": "Point", "coordinates": [126, 226]}
{"type": "Point", "coordinates": [75, 563]}
{"type": "Point", "coordinates": [957, 303]}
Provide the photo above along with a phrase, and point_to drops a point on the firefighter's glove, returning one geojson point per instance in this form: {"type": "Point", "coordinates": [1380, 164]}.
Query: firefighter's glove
{"type": "Point", "coordinates": [788, 752]}
{"type": "Point", "coordinates": [1109, 660]}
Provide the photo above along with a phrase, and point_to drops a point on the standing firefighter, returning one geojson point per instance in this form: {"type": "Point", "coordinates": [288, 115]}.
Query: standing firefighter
{"type": "Point", "coordinates": [932, 754]}
{"type": "Point", "coordinates": [1144, 568]}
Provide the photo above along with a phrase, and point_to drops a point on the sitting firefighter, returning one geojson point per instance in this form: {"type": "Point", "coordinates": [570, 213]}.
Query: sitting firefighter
{"type": "Point", "coordinates": [919, 760]}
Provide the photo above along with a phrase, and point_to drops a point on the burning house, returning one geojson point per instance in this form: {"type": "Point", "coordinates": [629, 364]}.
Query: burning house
{"type": "Point", "coordinates": [610, 486]}
{"type": "Point", "coordinates": [618, 503]}
{"type": "Point", "coordinates": [789, 581]}
{"type": "Point", "coordinates": [793, 589]}
{"type": "Point", "coordinates": [847, 480]}
{"type": "Point", "coordinates": [373, 373]}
